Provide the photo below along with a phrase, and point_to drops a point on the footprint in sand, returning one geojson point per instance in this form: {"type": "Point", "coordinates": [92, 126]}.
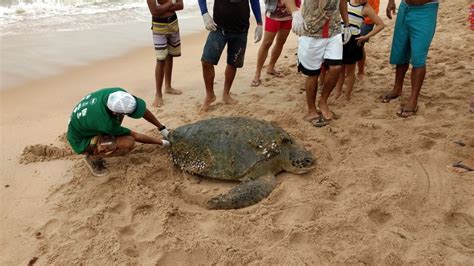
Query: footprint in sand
{"type": "Point", "coordinates": [82, 233]}
{"type": "Point", "coordinates": [127, 243]}
{"type": "Point", "coordinates": [379, 216]}
{"type": "Point", "coordinates": [50, 228]}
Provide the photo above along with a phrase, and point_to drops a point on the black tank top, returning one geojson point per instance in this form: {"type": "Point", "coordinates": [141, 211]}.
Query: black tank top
{"type": "Point", "coordinates": [232, 15]}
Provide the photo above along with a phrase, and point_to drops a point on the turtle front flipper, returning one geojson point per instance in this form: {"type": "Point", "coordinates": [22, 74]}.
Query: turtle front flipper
{"type": "Point", "coordinates": [243, 195]}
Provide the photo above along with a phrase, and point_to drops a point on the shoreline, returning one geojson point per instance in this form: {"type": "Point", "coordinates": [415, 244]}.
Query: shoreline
{"type": "Point", "coordinates": [28, 58]}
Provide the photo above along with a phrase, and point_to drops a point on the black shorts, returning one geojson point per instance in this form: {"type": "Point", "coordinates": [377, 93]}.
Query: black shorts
{"type": "Point", "coordinates": [352, 52]}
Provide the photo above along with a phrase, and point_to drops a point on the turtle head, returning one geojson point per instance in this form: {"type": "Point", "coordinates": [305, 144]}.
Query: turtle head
{"type": "Point", "coordinates": [299, 161]}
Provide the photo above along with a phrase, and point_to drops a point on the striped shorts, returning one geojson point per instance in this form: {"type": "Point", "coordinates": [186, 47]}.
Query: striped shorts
{"type": "Point", "coordinates": [166, 37]}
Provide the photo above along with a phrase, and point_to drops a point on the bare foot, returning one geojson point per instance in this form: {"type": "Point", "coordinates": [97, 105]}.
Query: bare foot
{"type": "Point", "coordinates": [361, 76]}
{"type": "Point", "coordinates": [158, 102]}
{"type": "Point", "coordinates": [227, 99]}
{"type": "Point", "coordinates": [275, 73]}
{"type": "Point", "coordinates": [171, 90]}
{"type": "Point", "coordinates": [347, 97]}
{"type": "Point", "coordinates": [327, 114]}
{"type": "Point", "coordinates": [256, 82]}
{"type": "Point", "coordinates": [207, 103]}
{"type": "Point", "coordinates": [310, 116]}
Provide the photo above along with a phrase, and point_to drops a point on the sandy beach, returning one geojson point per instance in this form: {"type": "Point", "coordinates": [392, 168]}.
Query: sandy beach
{"type": "Point", "coordinates": [381, 194]}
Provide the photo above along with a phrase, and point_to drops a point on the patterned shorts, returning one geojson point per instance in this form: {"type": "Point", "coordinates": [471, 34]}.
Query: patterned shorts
{"type": "Point", "coordinates": [101, 145]}
{"type": "Point", "coordinates": [166, 37]}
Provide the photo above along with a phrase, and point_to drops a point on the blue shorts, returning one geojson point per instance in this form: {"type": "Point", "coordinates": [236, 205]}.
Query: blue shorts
{"type": "Point", "coordinates": [366, 28]}
{"type": "Point", "coordinates": [414, 31]}
{"type": "Point", "coordinates": [216, 41]}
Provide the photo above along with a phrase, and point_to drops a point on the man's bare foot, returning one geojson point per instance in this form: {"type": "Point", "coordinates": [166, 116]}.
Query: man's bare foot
{"type": "Point", "coordinates": [327, 114]}
{"type": "Point", "coordinates": [207, 103]}
{"type": "Point", "coordinates": [361, 76]}
{"type": "Point", "coordinates": [347, 97]}
{"type": "Point", "coordinates": [310, 116]}
{"type": "Point", "coordinates": [256, 82]}
{"type": "Point", "coordinates": [171, 90]}
{"type": "Point", "coordinates": [158, 102]}
{"type": "Point", "coordinates": [274, 72]}
{"type": "Point", "coordinates": [227, 99]}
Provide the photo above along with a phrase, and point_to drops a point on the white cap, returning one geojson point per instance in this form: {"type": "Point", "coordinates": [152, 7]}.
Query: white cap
{"type": "Point", "coordinates": [121, 102]}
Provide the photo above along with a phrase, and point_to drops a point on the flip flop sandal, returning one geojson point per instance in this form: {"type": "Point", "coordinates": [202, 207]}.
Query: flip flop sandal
{"type": "Point", "coordinates": [462, 166]}
{"type": "Point", "coordinates": [403, 113]}
{"type": "Point", "coordinates": [256, 83]}
{"type": "Point", "coordinates": [319, 122]}
{"type": "Point", "coordinates": [386, 98]}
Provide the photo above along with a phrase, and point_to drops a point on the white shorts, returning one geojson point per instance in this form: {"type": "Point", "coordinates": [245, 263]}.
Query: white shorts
{"type": "Point", "coordinates": [312, 52]}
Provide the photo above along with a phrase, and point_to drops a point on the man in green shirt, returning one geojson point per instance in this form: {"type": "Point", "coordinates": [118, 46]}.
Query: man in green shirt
{"type": "Point", "coordinates": [95, 128]}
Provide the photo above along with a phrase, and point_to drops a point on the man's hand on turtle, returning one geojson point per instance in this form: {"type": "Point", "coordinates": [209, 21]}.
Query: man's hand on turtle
{"type": "Point", "coordinates": [165, 143]}
{"type": "Point", "coordinates": [164, 131]}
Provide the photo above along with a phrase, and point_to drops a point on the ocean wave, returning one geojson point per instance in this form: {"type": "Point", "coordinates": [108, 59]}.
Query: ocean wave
{"type": "Point", "coordinates": [36, 16]}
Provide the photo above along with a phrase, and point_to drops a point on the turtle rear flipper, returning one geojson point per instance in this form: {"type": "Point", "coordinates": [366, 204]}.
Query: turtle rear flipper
{"type": "Point", "coordinates": [243, 195]}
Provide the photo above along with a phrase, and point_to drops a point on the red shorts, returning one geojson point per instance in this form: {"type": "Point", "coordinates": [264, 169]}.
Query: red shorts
{"type": "Point", "coordinates": [272, 25]}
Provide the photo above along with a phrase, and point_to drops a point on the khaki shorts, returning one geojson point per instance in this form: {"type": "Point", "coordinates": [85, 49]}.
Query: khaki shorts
{"type": "Point", "coordinates": [101, 145]}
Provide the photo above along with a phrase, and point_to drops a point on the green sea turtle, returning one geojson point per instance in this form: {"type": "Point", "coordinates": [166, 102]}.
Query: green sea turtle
{"type": "Point", "coordinates": [238, 148]}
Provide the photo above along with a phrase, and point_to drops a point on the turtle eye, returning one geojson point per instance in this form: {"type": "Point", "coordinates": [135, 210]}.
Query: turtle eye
{"type": "Point", "coordinates": [286, 140]}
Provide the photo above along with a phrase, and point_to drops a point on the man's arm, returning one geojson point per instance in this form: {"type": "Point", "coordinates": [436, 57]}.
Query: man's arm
{"type": "Point", "coordinates": [203, 6]}
{"type": "Point", "coordinates": [145, 139]}
{"type": "Point", "coordinates": [150, 117]}
{"type": "Point", "coordinates": [177, 6]}
{"type": "Point", "coordinates": [255, 5]}
{"type": "Point", "coordinates": [391, 8]}
{"type": "Point", "coordinates": [343, 11]}
{"type": "Point", "coordinates": [157, 10]}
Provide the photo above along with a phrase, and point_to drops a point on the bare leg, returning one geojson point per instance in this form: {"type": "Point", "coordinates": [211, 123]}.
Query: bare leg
{"type": "Point", "coordinates": [322, 76]}
{"type": "Point", "coordinates": [340, 82]}
{"type": "Point", "coordinates": [230, 72]}
{"type": "Point", "coordinates": [208, 74]}
{"type": "Point", "coordinates": [350, 79]}
{"type": "Point", "coordinates": [329, 84]}
{"type": "Point", "coordinates": [276, 51]}
{"type": "Point", "coordinates": [361, 65]}
{"type": "Point", "coordinates": [311, 87]}
{"type": "Point", "coordinates": [168, 73]}
{"type": "Point", "coordinates": [417, 78]}
{"type": "Point", "coordinates": [159, 73]}
{"type": "Point", "coordinates": [268, 38]}
{"type": "Point", "coordinates": [400, 73]}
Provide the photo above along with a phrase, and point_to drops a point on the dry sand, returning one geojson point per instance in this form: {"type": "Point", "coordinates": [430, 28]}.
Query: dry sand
{"type": "Point", "coordinates": [381, 193]}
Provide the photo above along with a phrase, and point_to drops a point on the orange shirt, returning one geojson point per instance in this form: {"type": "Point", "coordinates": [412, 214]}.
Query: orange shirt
{"type": "Point", "coordinates": [375, 5]}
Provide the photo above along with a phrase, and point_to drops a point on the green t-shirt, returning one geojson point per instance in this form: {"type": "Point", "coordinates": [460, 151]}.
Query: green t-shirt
{"type": "Point", "coordinates": [91, 117]}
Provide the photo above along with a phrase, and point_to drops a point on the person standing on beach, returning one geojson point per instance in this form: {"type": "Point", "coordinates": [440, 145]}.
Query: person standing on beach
{"type": "Point", "coordinates": [367, 26]}
{"type": "Point", "coordinates": [167, 43]}
{"type": "Point", "coordinates": [353, 50]}
{"type": "Point", "coordinates": [319, 28]}
{"type": "Point", "coordinates": [228, 26]}
{"type": "Point", "coordinates": [277, 24]}
{"type": "Point", "coordinates": [95, 129]}
{"type": "Point", "coordinates": [414, 30]}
